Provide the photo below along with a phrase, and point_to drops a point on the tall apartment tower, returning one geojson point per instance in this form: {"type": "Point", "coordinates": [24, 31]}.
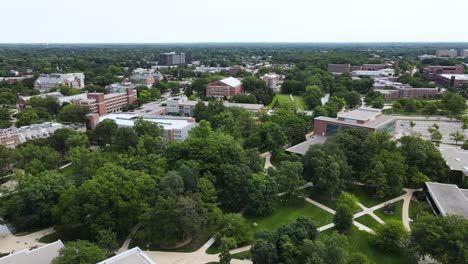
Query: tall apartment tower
{"type": "Point", "coordinates": [171, 58]}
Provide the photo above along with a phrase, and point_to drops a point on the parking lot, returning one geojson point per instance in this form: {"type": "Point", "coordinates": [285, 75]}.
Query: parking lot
{"type": "Point", "coordinates": [445, 127]}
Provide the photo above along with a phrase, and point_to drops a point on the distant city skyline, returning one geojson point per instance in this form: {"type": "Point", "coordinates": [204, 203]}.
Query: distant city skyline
{"type": "Point", "coordinates": [188, 21]}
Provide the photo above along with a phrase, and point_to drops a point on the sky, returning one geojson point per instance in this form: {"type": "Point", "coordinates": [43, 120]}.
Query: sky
{"type": "Point", "coordinates": [163, 21]}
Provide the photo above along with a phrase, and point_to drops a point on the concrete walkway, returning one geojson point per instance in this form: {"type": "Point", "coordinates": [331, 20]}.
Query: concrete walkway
{"type": "Point", "coordinates": [406, 204]}
{"type": "Point", "coordinates": [129, 239]}
{"type": "Point", "coordinates": [368, 211]}
{"type": "Point", "coordinates": [267, 157]}
{"type": "Point", "coordinates": [9, 243]}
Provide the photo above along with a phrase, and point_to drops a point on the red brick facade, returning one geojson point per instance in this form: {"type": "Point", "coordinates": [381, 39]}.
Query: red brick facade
{"type": "Point", "coordinates": [220, 89]}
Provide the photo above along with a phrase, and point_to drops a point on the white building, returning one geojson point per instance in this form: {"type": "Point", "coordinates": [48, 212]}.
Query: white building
{"type": "Point", "coordinates": [40, 255]}
{"type": "Point", "coordinates": [11, 137]}
{"type": "Point", "coordinates": [45, 82]}
{"type": "Point", "coordinates": [451, 53]}
{"type": "Point", "coordinates": [131, 256]}
{"type": "Point", "coordinates": [185, 107]}
{"type": "Point", "coordinates": [176, 128]}
{"type": "Point", "coordinates": [272, 81]}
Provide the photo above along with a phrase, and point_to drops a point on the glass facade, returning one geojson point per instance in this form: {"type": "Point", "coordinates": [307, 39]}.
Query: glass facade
{"type": "Point", "coordinates": [389, 128]}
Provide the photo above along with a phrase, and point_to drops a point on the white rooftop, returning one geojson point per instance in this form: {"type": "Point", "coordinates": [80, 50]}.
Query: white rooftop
{"type": "Point", "coordinates": [362, 114]}
{"type": "Point", "coordinates": [231, 81]}
{"type": "Point", "coordinates": [131, 256]}
{"type": "Point", "coordinates": [461, 77]}
{"type": "Point", "coordinates": [167, 122]}
{"type": "Point", "coordinates": [40, 255]}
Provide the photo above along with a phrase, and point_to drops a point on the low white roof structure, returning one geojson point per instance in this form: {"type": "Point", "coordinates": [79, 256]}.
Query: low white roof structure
{"type": "Point", "coordinates": [303, 147]}
{"type": "Point", "coordinates": [461, 77]}
{"type": "Point", "coordinates": [361, 114]}
{"type": "Point", "coordinates": [40, 255]}
{"type": "Point", "coordinates": [456, 159]}
{"type": "Point", "coordinates": [231, 81]}
{"type": "Point", "coordinates": [131, 256]}
{"type": "Point", "coordinates": [167, 122]}
{"type": "Point", "coordinates": [448, 198]}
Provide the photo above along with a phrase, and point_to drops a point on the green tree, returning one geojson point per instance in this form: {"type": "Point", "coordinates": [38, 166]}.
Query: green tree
{"type": "Point", "coordinates": [30, 205]}
{"type": "Point", "coordinates": [227, 244]}
{"type": "Point", "coordinates": [143, 127]}
{"type": "Point", "coordinates": [289, 178]}
{"type": "Point", "coordinates": [268, 136]}
{"type": "Point", "coordinates": [378, 102]}
{"type": "Point", "coordinates": [312, 96]}
{"type": "Point", "coordinates": [352, 99]}
{"type": "Point", "coordinates": [345, 208]}
{"type": "Point", "coordinates": [79, 252]}
{"type": "Point", "coordinates": [73, 113]}
{"type": "Point", "coordinates": [107, 240]}
{"type": "Point", "coordinates": [124, 138]}
{"type": "Point", "coordinates": [457, 136]}
{"type": "Point", "coordinates": [454, 103]}
{"type": "Point", "coordinates": [26, 118]}
{"type": "Point", "coordinates": [391, 237]}
{"type": "Point", "coordinates": [442, 238]}
{"type": "Point", "coordinates": [326, 167]}
{"type": "Point", "coordinates": [234, 226]}
{"type": "Point", "coordinates": [104, 132]}
{"type": "Point", "coordinates": [77, 140]}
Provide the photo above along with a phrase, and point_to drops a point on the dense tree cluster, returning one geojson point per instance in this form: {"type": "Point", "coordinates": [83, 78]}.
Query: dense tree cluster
{"type": "Point", "coordinates": [373, 159]}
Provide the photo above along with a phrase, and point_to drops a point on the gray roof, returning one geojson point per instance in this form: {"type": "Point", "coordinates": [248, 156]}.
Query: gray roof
{"type": "Point", "coordinates": [41, 255]}
{"type": "Point", "coordinates": [131, 256]}
{"type": "Point", "coordinates": [456, 159]}
{"type": "Point", "coordinates": [378, 122]}
{"type": "Point", "coordinates": [303, 147]}
{"type": "Point", "coordinates": [449, 199]}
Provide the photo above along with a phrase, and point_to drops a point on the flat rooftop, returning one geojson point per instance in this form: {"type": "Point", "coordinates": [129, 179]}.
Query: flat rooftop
{"type": "Point", "coordinates": [376, 123]}
{"type": "Point", "coordinates": [131, 256]}
{"type": "Point", "coordinates": [361, 114]}
{"type": "Point", "coordinates": [460, 77]}
{"type": "Point", "coordinates": [449, 199]}
{"type": "Point", "coordinates": [40, 255]}
{"type": "Point", "coordinates": [303, 147]}
{"type": "Point", "coordinates": [456, 159]}
{"type": "Point", "coordinates": [167, 122]}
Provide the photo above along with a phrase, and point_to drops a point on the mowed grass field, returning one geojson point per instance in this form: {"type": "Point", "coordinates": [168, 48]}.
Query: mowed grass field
{"type": "Point", "coordinates": [286, 99]}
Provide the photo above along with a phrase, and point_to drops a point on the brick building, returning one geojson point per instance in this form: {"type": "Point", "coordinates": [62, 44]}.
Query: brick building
{"type": "Point", "coordinates": [97, 102]}
{"type": "Point", "coordinates": [236, 70]}
{"type": "Point", "coordinates": [430, 71]}
{"type": "Point", "coordinates": [224, 88]}
{"type": "Point", "coordinates": [452, 80]}
{"type": "Point", "coordinates": [370, 119]}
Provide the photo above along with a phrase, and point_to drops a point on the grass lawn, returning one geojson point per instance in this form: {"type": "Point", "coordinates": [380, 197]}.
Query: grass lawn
{"type": "Point", "coordinates": [368, 221]}
{"type": "Point", "coordinates": [284, 214]}
{"type": "Point", "coordinates": [417, 208]}
{"type": "Point", "coordinates": [242, 255]}
{"type": "Point", "coordinates": [285, 99]}
{"type": "Point", "coordinates": [288, 213]}
{"type": "Point", "coordinates": [323, 199]}
{"type": "Point", "coordinates": [362, 241]}
{"type": "Point", "coordinates": [50, 238]}
{"type": "Point", "coordinates": [396, 216]}
{"type": "Point", "coordinates": [364, 197]}
{"type": "Point", "coordinates": [196, 243]}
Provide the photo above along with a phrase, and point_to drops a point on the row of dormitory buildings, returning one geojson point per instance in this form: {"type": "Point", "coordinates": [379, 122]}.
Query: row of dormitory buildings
{"type": "Point", "coordinates": [11, 137]}
{"type": "Point", "coordinates": [46, 253]}
{"type": "Point", "coordinates": [99, 103]}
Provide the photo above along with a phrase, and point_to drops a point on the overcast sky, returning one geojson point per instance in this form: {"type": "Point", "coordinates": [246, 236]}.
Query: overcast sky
{"type": "Point", "coordinates": [137, 21]}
